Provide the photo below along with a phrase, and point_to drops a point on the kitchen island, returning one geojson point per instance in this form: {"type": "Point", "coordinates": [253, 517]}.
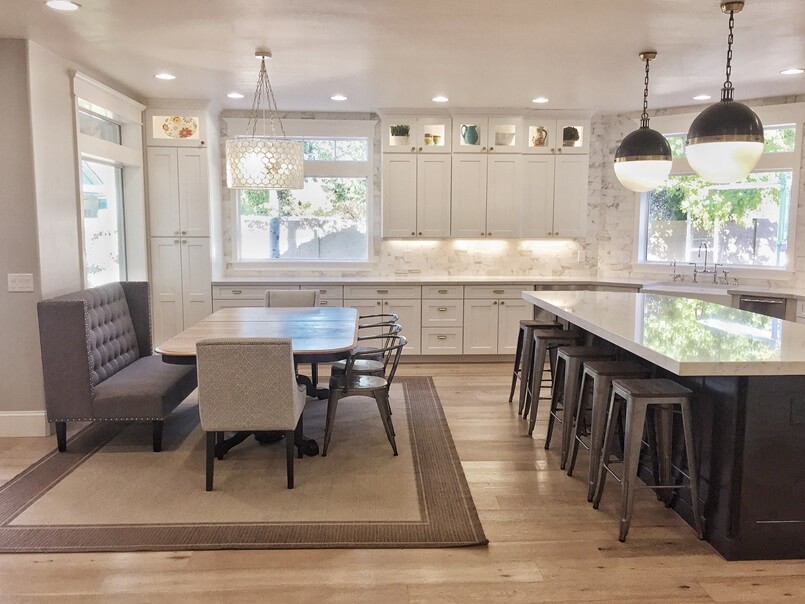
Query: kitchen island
{"type": "Point", "coordinates": [747, 372]}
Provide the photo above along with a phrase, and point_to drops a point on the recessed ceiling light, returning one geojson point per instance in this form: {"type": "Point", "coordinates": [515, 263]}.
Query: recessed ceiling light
{"type": "Point", "coordinates": [440, 99]}
{"type": "Point", "coordinates": [235, 95]}
{"type": "Point", "coordinates": [338, 97]}
{"type": "Point", "coordinates": [64, 5]}
{"type": "Point", "coordinates": [793, 71]}
{"type": "Point", "coordinates": [165, 76]}
{"type": "Point", "coordinates": [539, 99]}
{"type": "Point", "coordinates": [702, 97]}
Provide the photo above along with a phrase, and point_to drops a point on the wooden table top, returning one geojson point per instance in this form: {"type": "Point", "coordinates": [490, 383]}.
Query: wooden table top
{"type": "Point", "coordinates": [313, 331]}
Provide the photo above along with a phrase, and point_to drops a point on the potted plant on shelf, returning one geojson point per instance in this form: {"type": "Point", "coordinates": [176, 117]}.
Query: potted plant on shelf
{"type": "Point", "coordinates": [399, 134]}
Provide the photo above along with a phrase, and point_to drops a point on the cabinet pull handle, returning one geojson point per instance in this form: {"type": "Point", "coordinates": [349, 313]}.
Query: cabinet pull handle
{"type": "Point", "coordinates": [497, 291]}
{"type": "Point", "coordinates": [323, 302]}
{"type": "Point", "coordinates": [237, 291]}
{"type": "Point", "coordinates": [442, 309]}
{"type": "Point", "coordinates": [382, 291]}
{"type": "Point", "coordinates": [441, 337]}
{"type": "Point", "coordinates": [442, 291]}
{"type": "Point", "coordinates": [322, 291]}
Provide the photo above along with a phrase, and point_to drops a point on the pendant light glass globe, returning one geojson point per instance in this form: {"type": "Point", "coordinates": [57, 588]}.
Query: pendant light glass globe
{"type": "Point", "coordinates": [726, 140]}
{"type": "Point", "coordinates": [643, 159]}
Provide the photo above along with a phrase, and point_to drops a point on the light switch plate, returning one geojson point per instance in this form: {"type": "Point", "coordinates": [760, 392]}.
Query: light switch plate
{"type": "Point", "coordinates": [20, 282]}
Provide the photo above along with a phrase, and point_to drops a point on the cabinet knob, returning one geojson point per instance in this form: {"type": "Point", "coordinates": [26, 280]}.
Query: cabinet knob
{"type": "Point", "coordinates": [502, 302]}
{"type": "Point", "coordinates": [184, 232]}
{"type": "Point", "coordinates": [559, 149]}
{"type": "Point", "coordinates": [483, 148]}
{"type": "Point", "coordinates": [175, 232]}
{"type": "Point", "coordinates": [377, 303]}
{"type": "Point", "coordinates": [386, 303]}
{"type": "Point", "coordinates": [412, 233]}
{"type": "Point", "coordinates": [491, 149]}
{"type": "Point", "coordinates": [413, 149]}
{"type": "Point", "coordinates": [420, 233]}
{"type": "Point", "coordinates": [552, 150]}
{"type": "Point", "coordinates": [495, 303]}
{"type": "Point", "coordinates": [489, 234]}
{"type": "Point", "coordinates": [184, 240]}
{"type": "Point", "coordinates": [482, 233]}
{"type": "Point", "coordinates": [420, 149]}
{"type": "Point", "coordinates": [176, 241]}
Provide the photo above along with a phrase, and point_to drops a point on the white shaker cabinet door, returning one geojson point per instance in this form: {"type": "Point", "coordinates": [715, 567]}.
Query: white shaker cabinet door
{"type": "Point", "coordinates": [399, 195]}
{"type": "Point", "coordinates": [366, 308]}
{"type": "Point", "coordinates": [433, 195]}
{"type": "Point", "coordinates": [163, 192]}
{"type": "Point", "coordinates": [537, 208]}
{"type": "Point", "coordinates": [504, 195]}
{"type": "Point", "coordinates": [166, 287]}
{"type": "Point", "coordinates": [480, 326]}
{"type": "Point", "coordinates": [570, 196]}
{"type": "Point", "coordinates": [469, 196]}
{"type": "Point", "coordinates": [194, 193]}
{"type": "Point", "coordinates": [196, 279]}
{"type": "Point", "coordinates": [410, 313]}
{"type": "Point", "coordinates": [511, 312]}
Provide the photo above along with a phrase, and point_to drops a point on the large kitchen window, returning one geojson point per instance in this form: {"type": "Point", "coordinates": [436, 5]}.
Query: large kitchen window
{"type": "Point", "coordinates": [745, 224]}
{"type": "Point", "coordinates": [326, 221]}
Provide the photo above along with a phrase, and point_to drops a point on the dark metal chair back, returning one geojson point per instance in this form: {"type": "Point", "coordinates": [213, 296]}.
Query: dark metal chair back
{"type": "Point", "coordinates": [389, 348]}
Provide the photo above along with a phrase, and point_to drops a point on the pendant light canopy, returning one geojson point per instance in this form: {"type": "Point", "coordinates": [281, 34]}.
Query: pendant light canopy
{"type": "Point", "coordinates": [266, 161]}
{"type": "Point", "coordinates": [725, 141]}
{"type": "Point", "coordinates": [643, 160]}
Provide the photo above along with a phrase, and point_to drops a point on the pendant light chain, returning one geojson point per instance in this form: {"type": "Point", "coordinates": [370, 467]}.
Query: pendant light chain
{"type": "Point", "coordinates": [644, 115]}
{"type": "Point", "coordinates": [727, 91]}
{"type": "Point", "coordinates": [264, 92]}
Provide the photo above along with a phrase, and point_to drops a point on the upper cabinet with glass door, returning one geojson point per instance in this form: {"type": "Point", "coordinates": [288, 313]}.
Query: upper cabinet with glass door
{"type": "Point", "coordinates": [551, 136]}
{"type": "Point", "coordinates": [487, 134]}
{"type": "Point", "coordinates": [416, 134]}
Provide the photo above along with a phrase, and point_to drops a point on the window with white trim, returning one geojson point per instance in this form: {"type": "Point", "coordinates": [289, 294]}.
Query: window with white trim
{"type": "Point", "coordinates": [746, 224]}
{"type": "Point", "coordinates": [326, 221]}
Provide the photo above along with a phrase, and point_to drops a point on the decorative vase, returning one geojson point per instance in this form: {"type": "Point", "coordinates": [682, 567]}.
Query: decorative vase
{"type": "Point", "coordinates": [469, 134]}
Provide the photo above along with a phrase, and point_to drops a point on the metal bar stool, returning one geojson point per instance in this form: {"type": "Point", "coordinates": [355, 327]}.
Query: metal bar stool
{"type": "Point", "coordinates": [544, 339]}
{"type": "Point", "coordinates": [524, 354]}
{"type": "Point", "coordinates": [634, 397]}
{"type": "Point", "coordinates": [569, 364]}
{"type": "Point", "coordinates": [596, 380]}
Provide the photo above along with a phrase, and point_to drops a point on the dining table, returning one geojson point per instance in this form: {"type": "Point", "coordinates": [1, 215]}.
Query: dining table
{"type": "Point", "coordinates": [317, 334]}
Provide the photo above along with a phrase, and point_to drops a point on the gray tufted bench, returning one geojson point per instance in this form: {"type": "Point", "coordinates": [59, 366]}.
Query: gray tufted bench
{"type": "Point", "coordinates": [98, 361]}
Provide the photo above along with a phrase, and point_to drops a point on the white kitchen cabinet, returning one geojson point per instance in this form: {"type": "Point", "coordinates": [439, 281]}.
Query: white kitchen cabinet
{"type": "Point", "coordinates": [572, 136]}
{"type": "Point", "coordinates": [409, 311]}
{"type": "Point", "coordinates": [478, 134]}
{"type": "Point", "coordinates": [492, 326]}
{"type": "Point", "coordinates": [426, 134]}
{"type": "Point", "coordinates": [487, 195]}
{"type": "Point", "coordinates": [540, 136]}
{"type": "Point", "coordinates": [416, 195]}
{"type": "Point", "coordinates": [442, 340]}
{"type": "Point", "coordinates": [510, 313]}
{"type": "Point", "coordinates": [180, 284]}
{"type": "Point", "coordinates": [555, 196]}
{"type": "Point", "coordinates": [178, 192]}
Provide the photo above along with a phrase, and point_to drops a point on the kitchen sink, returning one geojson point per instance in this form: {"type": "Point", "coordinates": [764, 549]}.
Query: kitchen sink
{"type": "Point", "coordinates": [708, 292]}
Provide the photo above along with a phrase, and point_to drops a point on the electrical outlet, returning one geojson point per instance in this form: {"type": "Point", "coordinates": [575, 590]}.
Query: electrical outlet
{"type": "Point", "coordinates": [20, 282]}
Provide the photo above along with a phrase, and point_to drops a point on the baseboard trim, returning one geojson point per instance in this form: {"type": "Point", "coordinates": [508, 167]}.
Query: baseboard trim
{"type": "Point", "coordinates": [23, 423]}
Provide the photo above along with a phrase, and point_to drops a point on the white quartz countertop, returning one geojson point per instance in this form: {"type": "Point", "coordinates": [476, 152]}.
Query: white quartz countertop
{"type": "Point", "coordinates": [687, 337]}
{"type": "Point", "coordinates": [430, 279]}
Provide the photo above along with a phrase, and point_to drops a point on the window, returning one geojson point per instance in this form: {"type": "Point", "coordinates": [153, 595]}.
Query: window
{"type": "Point", "coordinates": [102, 204]}
{"type": "Point", "coordinates": [744, 224]}
{"type": "Point", "coordinates": [326, 221]}
{"type": "Point", "coordinates": [98, 127]}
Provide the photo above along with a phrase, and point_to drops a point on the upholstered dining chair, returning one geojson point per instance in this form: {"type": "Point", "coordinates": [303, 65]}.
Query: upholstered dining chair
{"type": "Point", "coordinates": [292, 298]}
{"type": "Point", "coordinates": [377, 387]}
{"type": "Point", "coordinates": [248, 384]}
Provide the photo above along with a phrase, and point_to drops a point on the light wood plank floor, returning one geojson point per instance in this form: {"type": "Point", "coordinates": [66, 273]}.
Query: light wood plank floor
{"type": "Point", "coordinates": [546, 543]}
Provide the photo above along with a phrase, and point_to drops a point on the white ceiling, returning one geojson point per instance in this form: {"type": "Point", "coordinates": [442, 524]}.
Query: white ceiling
{"type": "Point", "coordinates": [582, 54]}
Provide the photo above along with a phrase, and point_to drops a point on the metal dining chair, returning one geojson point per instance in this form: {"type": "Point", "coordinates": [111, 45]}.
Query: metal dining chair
{"type": "Point", "coordinates": [351, 383]}
{"type": "Point", "coordinates": [372, 365]}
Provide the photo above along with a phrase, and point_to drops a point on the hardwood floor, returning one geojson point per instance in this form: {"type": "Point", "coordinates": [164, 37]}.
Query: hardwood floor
{"type": "Point", "coordinates": [546, 543]}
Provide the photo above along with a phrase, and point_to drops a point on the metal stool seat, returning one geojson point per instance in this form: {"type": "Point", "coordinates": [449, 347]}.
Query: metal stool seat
{"type": "Point", "coordinates": [360, 366]}
{"type": "Point", "coordinates": [598, 375]}
{"type": "Point", "coordinates": [567, 377]}
{"type": "Point", "coordinates": [544, 340]}
{"type": "Point", "coordinates": [524, 353]}
{"type": "Point", "coordinates": [633, 398]}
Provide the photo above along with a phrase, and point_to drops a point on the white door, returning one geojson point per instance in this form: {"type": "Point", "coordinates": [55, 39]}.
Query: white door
{"type": "Point", "coordinates": [194, 193]}
{"type": "Point", "coordinates": [537, 207]}
{"type": "Point", "coordinates": [510, 314]}
{"type": "Point", "coordinates": [480, 326]}
{"type": "Point", "coordinates": [196, 279]}
{"type": "Point", "coordinates": [163, 192]}
{"type": "Point", "coordinates": [504, 193]}
{"type": "Point", "coordinates": [468, 208]}
{"type": "Point", "coordinates": [570, 196]}
{"type": "Point", "coordinates": [399, 195]}
{"type": "Point", "coordinates": [433, 195]}
{"type": "Point", "coordinates": [166, 287]}
{"type": "Point", "coordinates": [410, 313]}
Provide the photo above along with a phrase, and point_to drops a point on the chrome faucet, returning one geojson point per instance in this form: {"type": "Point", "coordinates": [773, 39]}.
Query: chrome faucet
{"type": "Point", "coordinates": [706, 249]}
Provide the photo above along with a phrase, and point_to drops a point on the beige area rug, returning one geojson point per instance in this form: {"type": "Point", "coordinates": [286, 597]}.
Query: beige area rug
{"type": "Point", "coordinates": [110, 492]}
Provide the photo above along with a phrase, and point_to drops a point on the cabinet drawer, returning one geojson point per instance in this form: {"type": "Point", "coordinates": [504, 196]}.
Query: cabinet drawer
{"type": "Point", "coordinates": [499, 291]}
{"type": "Point", "coordinates": [436, 292]}
{"type": "Point", "coordinates": [327, 292]}
{"type": "Point", "coordinates": [219, 304]}
{"type": "Point", "coordinates": [372, 292]}
{"type": "Point", "coordinates": [442, 313]}
{"type": "Point", "coordinates": [439, 340]}
{"type": "Point", "coordinates": [246, 292]}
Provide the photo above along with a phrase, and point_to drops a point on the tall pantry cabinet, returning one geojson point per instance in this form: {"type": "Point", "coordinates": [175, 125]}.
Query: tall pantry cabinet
{"type": "Point", "coordinates": [178, 162]}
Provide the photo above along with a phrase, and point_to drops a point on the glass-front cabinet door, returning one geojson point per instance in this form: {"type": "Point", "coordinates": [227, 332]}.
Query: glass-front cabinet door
{"type": "Point", "coordinates": [572, 136]}
{"type": "Point", "coordinates": [433, 135]}
{"type": "Point", "coordinates": [505, 135]}
{"type": "Point", "coordinates": [400, 134]}
{"type": "Point", "coordinates": [540, 136]}
{"type": "Point", "coordinates": [470, 134]}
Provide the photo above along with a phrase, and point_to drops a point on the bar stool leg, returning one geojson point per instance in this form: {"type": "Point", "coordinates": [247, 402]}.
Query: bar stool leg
{"type": "Point", "coordinates": [598, 424]}
{"type": "Point", "coordinates": [518, 367]}
{"type": "Point", "coordinates": [569, 400]}
{"type": "Point", "coordinates": [690, 451]}
{"type": "Point", "coordinates": [559, 377]}
{"type": "Point", "coordinates": [665, 426]}
{"type": "Point", "coordinates": [526, 371]}
{"type": "Point", "coordinates": [531, 401]}
{"type": "Point", "coordinates": [609, 439]}
{"type": "Point", "coordinates": [578, 421]}
{"type": "Point", "coordinates": [635, 425]}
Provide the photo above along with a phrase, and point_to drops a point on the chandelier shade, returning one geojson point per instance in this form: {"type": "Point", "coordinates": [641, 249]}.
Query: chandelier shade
{"type": "Point", "coordinates": [726, 140]}
{"type": "Point", "coordinates": [264, 161]}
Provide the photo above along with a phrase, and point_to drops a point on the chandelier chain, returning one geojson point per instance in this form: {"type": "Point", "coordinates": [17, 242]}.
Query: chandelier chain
{"type": "Point", "coordinates": [644, 115]}
{"type": "Point", "coordinates": [727, 90]}
{"type": "Point", "coordinates": [264, 96]}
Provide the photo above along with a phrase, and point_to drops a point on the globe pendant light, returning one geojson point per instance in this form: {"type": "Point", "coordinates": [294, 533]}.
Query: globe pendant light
{"type": "Point", "coordinates": [643, 160]}
{"type": "Point", "coordinates": [725, 141]}
{"type": "Point", "coordinates": [264, 162]}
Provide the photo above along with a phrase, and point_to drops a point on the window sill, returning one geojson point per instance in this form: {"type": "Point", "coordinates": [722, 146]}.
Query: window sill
{"type": "Point", "coordinates": [737, 272]}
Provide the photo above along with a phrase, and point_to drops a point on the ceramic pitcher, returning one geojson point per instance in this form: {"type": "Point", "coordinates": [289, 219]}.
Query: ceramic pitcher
{"type": "Point", "coordinates": [469, 134]}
